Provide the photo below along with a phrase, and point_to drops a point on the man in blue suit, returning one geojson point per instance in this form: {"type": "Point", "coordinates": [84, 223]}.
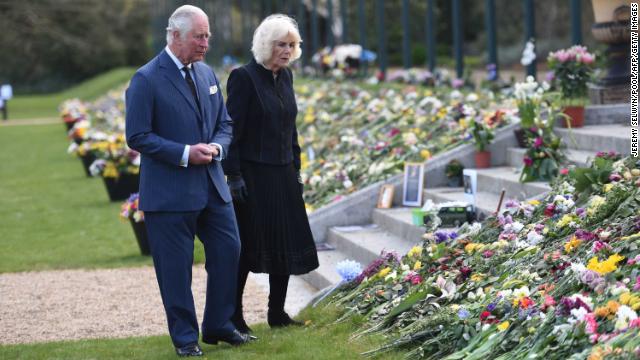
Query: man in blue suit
{"type": "Point", "coordinates": [177, 120]}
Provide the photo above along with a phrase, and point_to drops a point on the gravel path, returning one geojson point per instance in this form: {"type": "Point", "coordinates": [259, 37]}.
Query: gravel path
{"type": "Point", "coordinates": [115, 303]}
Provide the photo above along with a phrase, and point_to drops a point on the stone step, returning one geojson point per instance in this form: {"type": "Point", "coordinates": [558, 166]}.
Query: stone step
{"type": "Point", "coordinates": [365, 245]}
{"type": "Point", "coordinates": [607, 114]}
{"type": "Point", "coordinates": [486, 203]}
{"type": "Point", "coordinates": [596, 138]}
{"type": "Point", "coordinates": [398, 221]}
{"type": "Point", "coordinates": [326, 274]}
{"type": "Point", "coordinates": [493, 180]}
{"type": "Point", "coordinates": [578, 158]}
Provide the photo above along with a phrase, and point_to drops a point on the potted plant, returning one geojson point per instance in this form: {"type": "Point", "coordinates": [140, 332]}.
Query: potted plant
{"type": "Point", "coordinates": [453, 171]}
{"type": "Point", "coordinates": [482, 136]}
{"type": "Point", "coordinates": [529, 96]}
{"type": "Point", "coordinates": [118, 165]}
{"type": "Point", "coordinates": [572, 68]}
{"type": "Point", "coordinates": [131, 212]}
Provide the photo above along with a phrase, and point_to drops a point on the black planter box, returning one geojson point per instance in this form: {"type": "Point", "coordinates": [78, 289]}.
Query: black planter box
{"type": "Point", "coordinates": [87, 159]}
{"type": "Point", "coordinates": [122, 187]}
{"type": "Point", "coordinates": [140, 230]}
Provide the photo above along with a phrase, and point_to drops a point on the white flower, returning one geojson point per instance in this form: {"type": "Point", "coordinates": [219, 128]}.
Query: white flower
{"type": "Point", "coordinates": [624, 315]}
{"type": "Point", "coordinates": [529, 54]}
{"type": "Point", "coordinates": [534, 238]}
{"type": "Point", "coordinates": [347, 184]}
{"type": "Point", "coordinates": [578, 268]}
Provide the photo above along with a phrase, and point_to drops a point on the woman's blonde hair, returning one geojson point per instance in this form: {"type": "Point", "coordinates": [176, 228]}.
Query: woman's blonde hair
{"type": "Point", "coordinates": [270, 30]}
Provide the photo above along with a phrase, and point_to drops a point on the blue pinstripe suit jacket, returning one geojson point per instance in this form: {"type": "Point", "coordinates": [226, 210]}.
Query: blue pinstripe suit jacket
{"type": "Point", "coordinates": [161, 118]}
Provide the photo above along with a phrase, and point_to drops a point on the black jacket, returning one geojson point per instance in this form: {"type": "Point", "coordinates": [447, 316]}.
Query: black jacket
{"type": "Point", "coordinates": [264, 118]}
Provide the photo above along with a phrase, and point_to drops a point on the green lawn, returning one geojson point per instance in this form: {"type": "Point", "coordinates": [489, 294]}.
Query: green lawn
{"type": "Point", "coordinates": [320, 340]}
{"type": "Point", "coordinates": [51, 215]}
{"type": "Point", "coordinates": [45, 106]}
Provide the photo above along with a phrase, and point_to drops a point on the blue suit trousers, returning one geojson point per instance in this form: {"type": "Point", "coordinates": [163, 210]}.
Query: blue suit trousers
{"type": "Point", "coordinates": [171, 237]}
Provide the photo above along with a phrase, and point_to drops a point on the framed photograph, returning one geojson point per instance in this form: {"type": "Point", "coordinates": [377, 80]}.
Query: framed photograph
{"type": "Point", "coordinates": [385, 196]}
{"type": "Point", "coordinates": [469, 181]}
{"type": "Point", "coordinates": [413, 184]}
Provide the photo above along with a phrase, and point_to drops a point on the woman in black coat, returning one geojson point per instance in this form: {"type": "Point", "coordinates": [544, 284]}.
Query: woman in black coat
{"type": "Point", "coordinates": [263, 168]}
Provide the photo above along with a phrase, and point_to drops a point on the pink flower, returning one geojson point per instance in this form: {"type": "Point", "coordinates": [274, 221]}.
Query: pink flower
{"type": "Point", "coordinates": [591, 323]}
{"type": "Point", "coordinates": [588, 58]}
{"type": "Point", "coordinates": [564, 171]}
{"type": "Point", "coordinates": [415, 280]}
{"type": "Point", "coordinates": [538, 142]}
{"type": "Point", "coordinates": [527, 161]}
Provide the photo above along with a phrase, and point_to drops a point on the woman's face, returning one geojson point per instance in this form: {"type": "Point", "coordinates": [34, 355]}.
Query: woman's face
{"type": "Point", "coordinates": [282, 52]}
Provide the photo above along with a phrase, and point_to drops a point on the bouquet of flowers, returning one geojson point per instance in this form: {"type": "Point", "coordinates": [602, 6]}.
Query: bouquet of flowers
{"type": "Point", "coordinates": [482, 134]}
{"type": "Point", "coordinates": [129, 209]}
{"type": "Point", "coordinates": [114, 158]}
{"type": "Point", "coordinates": [572, 68]}
{"type": "Point", "coordinates": [544, 152]}
{"type": "Point", "coordinates": [529, 96]}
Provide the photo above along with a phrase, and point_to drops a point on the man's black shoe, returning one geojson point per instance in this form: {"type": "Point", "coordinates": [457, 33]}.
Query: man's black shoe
{"type": "Point", "coordinates": [189, 350]}
{"type": "Point", "coordinates": [234, 338]}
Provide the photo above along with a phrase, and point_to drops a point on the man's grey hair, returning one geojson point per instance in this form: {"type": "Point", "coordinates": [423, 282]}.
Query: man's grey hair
{"type": "Point", "coordinates": [270, 30]}
{"type": "Point", "coordinates": [182, 21]}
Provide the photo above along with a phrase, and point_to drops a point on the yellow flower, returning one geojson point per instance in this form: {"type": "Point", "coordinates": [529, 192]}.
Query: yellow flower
{"type": "Point", "coordinates": [110, 170]}
{"type": "Point", "coordinates": [471, 247]}
{"type": "Point", "coordinates": [602, 312]}
{"type": "Point", "coordinates": [384, 272]}
{"type": "Point", "coordinates": [503, 326]}
{"type": "Point", "coordinates": [417, 265]}
{"type": "Point", "coordinates": [606, 266]}
{"type": "Point", "coordinates": [426, 154]}
{"type": "Point", "coordinates": [612, 306]}
{"type": "Point", "coordinates": [534, 202]}
{"type": "Point", "coordinates": [477, 277]}
{"type": "Point", "coordinates": [607, 187]}
{"type": "Point", "coordinates": [566, 219]}
{"type": "Point", "coordinates": [415, 251]}
{"type": "Point", "coordinates": [572, 244]}
{"type": "Point", "coordinates": [463, 123]}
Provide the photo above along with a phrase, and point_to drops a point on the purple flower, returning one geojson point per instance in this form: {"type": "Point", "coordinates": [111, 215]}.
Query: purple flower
{"type": "Point", "coordinates": [491, 306]}
{"type": "Point", "coordinates": [585, 235]}
{"type": "Point", "coordinates": [441, 236]}
{"type": "Point", "coordinates": [580, 212]}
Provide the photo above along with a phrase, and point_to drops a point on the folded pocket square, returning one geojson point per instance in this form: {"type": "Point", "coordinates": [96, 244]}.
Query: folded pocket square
{"type": "Point", "coordinates": [213, 89]}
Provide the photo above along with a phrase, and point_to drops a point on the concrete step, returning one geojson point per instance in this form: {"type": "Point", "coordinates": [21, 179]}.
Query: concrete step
{"type": "Point", "coordinates": [366, 244]}
{"type": "Point", "coordinates": [578, 158]}
{"type": "Point", "coordinates": [607, 114]}
{"type": "Point", "coordinates": [596, 138]}
{"type": "Point", "coordinates": [398, 221]}
{"type": "Point", "coordinates": [486, 202]}
{"type": "Point", "coordinates": [493, 180]}
{"type": "Point", "coordinates": [326, 273]}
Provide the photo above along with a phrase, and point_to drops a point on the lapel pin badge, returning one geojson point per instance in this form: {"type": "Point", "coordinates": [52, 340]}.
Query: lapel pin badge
{"type": "Point", "coordinates": [213, 89]}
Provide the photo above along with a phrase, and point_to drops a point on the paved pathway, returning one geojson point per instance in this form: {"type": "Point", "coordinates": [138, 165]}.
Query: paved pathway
{"type": "Point", "coordinates": [113, 303]}
{"type": "Point", "coordinates": [40, 121]}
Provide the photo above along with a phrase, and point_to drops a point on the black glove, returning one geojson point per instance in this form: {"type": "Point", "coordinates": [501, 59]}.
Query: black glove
{"type": "Point", "coordinates": [238, 188]}
{"type": "Point", "coordinates": [300, 182]}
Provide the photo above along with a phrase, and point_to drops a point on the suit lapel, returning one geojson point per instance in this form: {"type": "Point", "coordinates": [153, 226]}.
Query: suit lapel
{"type": "Point", "coordinates": [172, 73]}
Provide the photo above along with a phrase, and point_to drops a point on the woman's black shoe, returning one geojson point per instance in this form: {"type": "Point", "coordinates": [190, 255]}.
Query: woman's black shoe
{"type": "Point", "coordinates": [281, 319]}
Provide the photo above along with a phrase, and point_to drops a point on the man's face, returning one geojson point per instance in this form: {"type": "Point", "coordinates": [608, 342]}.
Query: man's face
{"type": "Point", "coordinates": [194, 47]}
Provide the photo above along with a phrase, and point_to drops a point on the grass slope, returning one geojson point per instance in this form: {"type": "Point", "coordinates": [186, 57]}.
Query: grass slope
{"type": "Point", "coordinates": [45, 106]}
{"type": "Point", "coordinates": [320, 340]}
{"type": "Point", "coordinates": [51, 215]}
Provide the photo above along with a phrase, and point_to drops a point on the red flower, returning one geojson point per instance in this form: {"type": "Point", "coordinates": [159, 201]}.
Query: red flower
{"type": "Point", "coordinates": [527, 161]}
{"type": "Point", "coordinates": [485, 314]}
{"type": "Point", "coordinates": [549, 210]}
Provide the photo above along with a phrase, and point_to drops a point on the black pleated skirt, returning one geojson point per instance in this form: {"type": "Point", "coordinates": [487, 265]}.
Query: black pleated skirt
{"type": "Point", "coordinates": [274, 228]}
